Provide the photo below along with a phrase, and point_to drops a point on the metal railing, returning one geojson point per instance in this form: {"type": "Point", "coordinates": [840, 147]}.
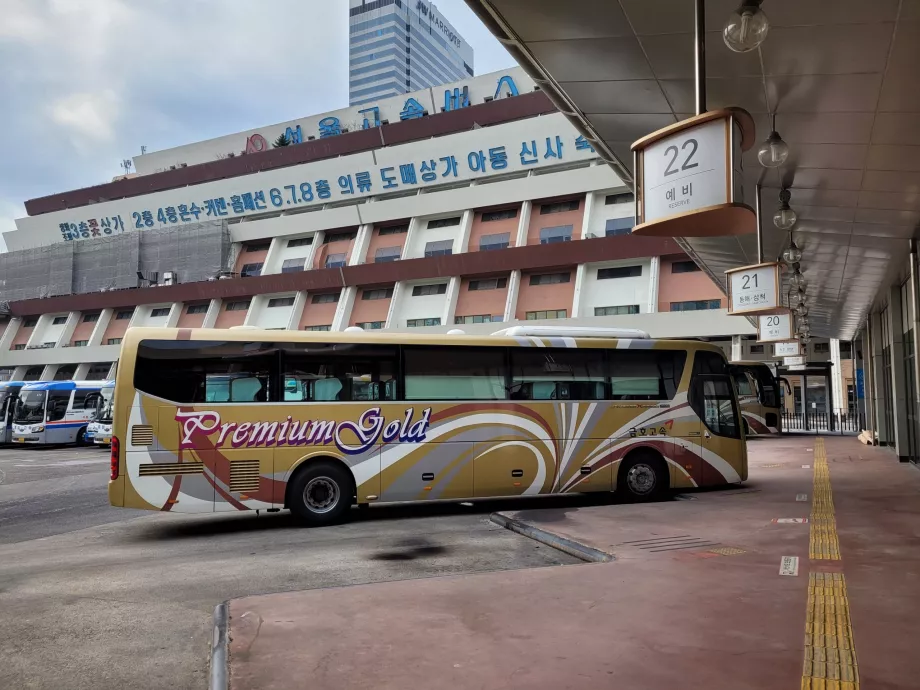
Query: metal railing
{"type": "Point", "coordinates": [832, 422]}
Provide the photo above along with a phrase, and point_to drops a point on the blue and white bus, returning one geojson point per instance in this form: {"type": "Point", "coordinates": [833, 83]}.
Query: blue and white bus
{"type": "Point", "coordinates": [55, 411]}
{"type": "Point", "coordinates": [9, 394]}
{"type": "Point", "coordinates": [99, 430]}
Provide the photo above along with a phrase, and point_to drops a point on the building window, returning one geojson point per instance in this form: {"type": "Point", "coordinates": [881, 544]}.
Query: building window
{"type": "Point", "coordinates": [326, 327]}
{"type": "Point", "coordinates": [822, 348]}
{"type": "Point", "coordinates": [561, 233]}
{"type": "Point", "coordinates": [325, 298]}
{"type": "Point", "coordinates": [280, 302]}
{"type": "Point", "coordinates": [619, 310]}
{"type": "Point", "coordinates": [619, 272]}
{"type": "Point", "coordinates": [250, 270]}
{"type": "Point", "coordinates": [443, 222]}
{"type": "Point", "coordinates": [80, 343]}
{"type": "Point", "coordinates": [258, 247]}
{"type": "Point", "coordinates": [439, 248]}
{"type": "Point", "coordinates": [240, 305]}
{"type": "Point", "coordinates": [561, 207]}
{"type": "Point", "coordinates": [377, 293]}
{"type": "Point", "coordinates": [425, 290]}
{"type": "Point", "coordinates": [696, 305]}
{"type": "Point", "coordinates": [846, 349]}
{"type": "Point", "coordinates": [498, 241]}
{"type": "Point", "coordinates": [197, 308]}
{"type": "Point", "coordinates": [59, 321]}
{"type": "Point", "coordinates": [546, 314]}
{"type": "Point", "coordinates": [159, 311]}
{"type": "Point", "coordinates": [292, 265]}
{"type": "Point", "coordinates": [478, 318]}
{"type": "Point", "coordinates": [550, 278]}
{"type": "Point", "coordinates": [343, 236]}
{"type": "Point", "coordinates": [335, 260]}
{"type": "Point", "coordinates": [387, 254]}
{"type": "Point", "coordinates": [113, 341]}
{"type": "Point", "coordinates": [618, 226]}
{"type": "Point", "coordinates": [19, 346]}
{"type": "Point", "coordinates": [300, 242]}
{"type": "Point", "coordinates": [684, 267]}
{"type": "Point", "coordinates": [756, 349]}
{"type": "Point", "coordinates": [91, 318]}
{"type": "Point", "coordinates": [416, 323]}
{"type": "Point", "coordinates": [488, 284]}
{"type": "Point", "coordinates": [124, 314]}
{"type": "Point", "coordinates": [622, 198]}
{"type": "Point", "coordinates": [393, 230]}
{"type": "Point", "coordinates": [32, 322]}
{"type": "Point", "coordinates": [490, 216]}
{"type": "Point", "coordinates": [370, 325]}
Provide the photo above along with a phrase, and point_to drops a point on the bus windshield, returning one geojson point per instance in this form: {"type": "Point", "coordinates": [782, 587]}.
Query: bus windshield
{"type": "Point", "coordinates": [30, 408]}
{"type": "Point", "coordinates": [104, 404]}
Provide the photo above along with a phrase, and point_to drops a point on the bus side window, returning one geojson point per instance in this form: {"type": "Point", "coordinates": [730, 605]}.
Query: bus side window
{"type": "Point", "coordinates": [334, 372]}
{"type": "Point", "coordinates": [545, 374]}
{"type": "Point", "coordinates": [57, 405]}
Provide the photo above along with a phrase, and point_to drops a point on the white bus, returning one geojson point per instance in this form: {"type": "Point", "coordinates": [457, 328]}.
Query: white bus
{"type": "Point", "coordinates": [99, 430]}
{"type": "Point", "coordinates": [55, 411]}
{"type": "Point", "coordinates": [9, 394]}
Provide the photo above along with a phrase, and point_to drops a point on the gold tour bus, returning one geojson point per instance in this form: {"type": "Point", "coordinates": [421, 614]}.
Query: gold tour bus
{"type": "Point", "coordinates": [248, 419]}
{"type": "Point", "coordinates": [758, 397]}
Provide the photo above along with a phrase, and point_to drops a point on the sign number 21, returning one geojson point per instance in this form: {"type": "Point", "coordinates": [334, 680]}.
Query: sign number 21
{"type": "Point", "coordinates": [748, 279]}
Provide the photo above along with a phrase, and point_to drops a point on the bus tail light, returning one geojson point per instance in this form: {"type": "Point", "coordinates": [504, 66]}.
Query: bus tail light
{"type": "Point", "coordinates": [113, 475]}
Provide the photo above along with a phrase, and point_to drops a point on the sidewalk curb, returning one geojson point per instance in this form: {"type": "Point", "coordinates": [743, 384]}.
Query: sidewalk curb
{"type": "Point", "coordinates": [217, 676]}
{"type": "Point", "coordinates": [569, 546]}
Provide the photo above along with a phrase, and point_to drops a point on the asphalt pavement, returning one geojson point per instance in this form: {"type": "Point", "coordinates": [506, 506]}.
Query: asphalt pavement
{"type": "Point", "coordinates": [98, 597]}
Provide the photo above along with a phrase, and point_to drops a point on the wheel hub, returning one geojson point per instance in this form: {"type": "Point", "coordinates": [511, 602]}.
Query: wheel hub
{"type": "Point", "coordinates": [321, 495]}
{"type": "Point", "coordinates": [641, 479]}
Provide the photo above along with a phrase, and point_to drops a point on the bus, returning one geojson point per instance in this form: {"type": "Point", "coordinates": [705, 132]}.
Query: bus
{"type": "Point", "coordinates": [758, 396]}
{"type": "Point", "coordinates": [53, 412]}
{"type": "Point", "coordinates": [9, 394]}
{"type": "Point", "coordinates": [223, 420]}
{"type": "Point", "coordinates": [99, 431]}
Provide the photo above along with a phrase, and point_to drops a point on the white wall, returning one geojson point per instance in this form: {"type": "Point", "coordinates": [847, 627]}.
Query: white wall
{"type": "Point", "coordinates": [264, 316]}
{"type": "Point", "coordinates": [47, 332]}
{"type": "Point", "coordinates": [426, 307]}
{"type": "Point", "coordinates": [603, 212]}
{"type": "Point", "coordinates": [612, 292]}
{"type": "Point", "coordinates": [416, 241]}
{"type": "Point", "coordinates": [142, 315]}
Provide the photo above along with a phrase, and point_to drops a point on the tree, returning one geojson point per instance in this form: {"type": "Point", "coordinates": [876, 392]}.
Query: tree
{"type": "Point", "coordinates": [282, 140]}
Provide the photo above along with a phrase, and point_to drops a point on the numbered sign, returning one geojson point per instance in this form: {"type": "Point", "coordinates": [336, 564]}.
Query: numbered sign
{"type": "Point", "coordinates": [754, 290]}
{"type": "Point", "coordinates": [796, 361]}
{"type": "Point", "coordinates": [688, 177]}
{"type": "Point", "coordinates": [773, 328]}
{"type": "Point", "coordinates": [790, 349]}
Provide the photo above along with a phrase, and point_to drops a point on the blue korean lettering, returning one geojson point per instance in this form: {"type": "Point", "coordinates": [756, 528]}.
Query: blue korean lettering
{"type": "Point", "coordinates": [171, 214]}
{"type": "Point", "coordinates": [194, 210]}
{"type": "Point", "coordinates": [498, 159]}
{"type": "Point", "coordinates": [428, 171]}
{"type": "Point", "coordinates": [306, 191]}
{"type": "Point", "coordinates": [329, 127]}
{"type": "Point", "coordinates": [581, 144]}
{"type": "Point", "coordinates": [184, 213]}
{"type": "Point", "coordinates": [532, 152]}
{"type": "Point", "coordinates": [550, 152]}
{"type": "Point", "coordinates": [407, 173]}
{"type": "Point", "coordinates": [236, 203]}
{"type": "Point", "coordinates": [161, 216]}
{"type": "Point", "coordinates": [451, 166]}
{"type": "Point", "coordinates": [258, 198]}
{"type": "Point", "coordinates": [138, 220]}
{"type": "Point", "coordinates": [364, 181]}
{"type": "Point", "coordinates": [477, 161]}
{"type": "Point", "coordinates": [68, 231]}
{"type": "Point", "coordinates": [106, 225]}
{"type": "Point", "coordinates": [390, 181]}
{"type": "Point", "coordinates": [456, 99]}
{"type": "Point", "coordinates": [510, 87]}
{"type": "Point", "coordinates": [148, 218]}
{"type": "Point", "coordinates": [375, 122]}
{"type": "Point", "coordinates": [346, 185]}
{"type": "Point", "coordinates": [93, 227]}
{"type": "Point", "coordinates": [295, 136]}
{"type": "Point", "coordinates": [216, 207]}
{"type": "Point", "coordinates": [84, 229]}
{"type": "Point", "coordinates": [322, 189]}
{"type": "Point", "coordinates": [118, 223]}
{"type": "Point", "coordinates": [412, 110]}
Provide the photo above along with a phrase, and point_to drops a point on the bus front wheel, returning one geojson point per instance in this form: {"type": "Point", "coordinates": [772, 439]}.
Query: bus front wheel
{"type": "Point", "coordinates": [321, 493]}
{"type": "Point", "coordinates": [81, 436]}
{"type": "Point", "coordinates": [643, 476]}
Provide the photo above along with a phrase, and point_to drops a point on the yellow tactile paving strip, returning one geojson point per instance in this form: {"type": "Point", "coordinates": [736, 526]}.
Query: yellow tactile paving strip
{"type": "Point", "coordinates": [830, 655]}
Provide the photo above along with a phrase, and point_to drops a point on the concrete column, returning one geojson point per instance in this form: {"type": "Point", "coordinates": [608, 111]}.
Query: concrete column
{"type": "Point", "coordinates": [112, 369]}
{"type": "Point", "coordinates": [514, 287]}
{"type": "Point", "coordinates": [19, 372]}
{"type": "Point", "coordinates": [839, 402]}
{"type": "Point", "coordinates": [394, 300]}
{"type": "Point", "coordinates": [899, 391]}
{"type": "Point", "coordinates": [256, 305]}
{"type": "Point", "coordinates": [737, 348]}
{"type": "Point", "coordinates": [415, 224]}
{"type": "Point", "coordinates": [300, 302]}
{"type": "Point", "coordinates": [362, 241]}
{"type": "Point", "coordinates": [450, 301]}
{"type": "Point", "coordinates": [654, 271]}
{"type": "Point", "coordinates": [43, 322]}
{"type": "Point", "coordinates": [523, 223]}
{"type": "Point", "coordinates": [344, 307]}
{"type": "Point", "coordinates": [105, 316]}
{"type": "Point", "coordinates": [81, 371]}
{"type": "Point", "coordinates": [9, 335]}
{"type": "Point", "coordinates": [318, 238]}
{"type": "Point", "coordinates": [272, 263]}
{"type": "Point", "coordinates": [466, 226]}
{"type": "Point", "coordinates": [175, 311]}
{"type": "Point", "coordinates": [73, 318]}
{"type": "Point", "coordinates": [580, 274]}
{"type": "Point", "coordinates": [49, 371]}
{"type": "Point", "coordinates": [915, 326]}
{"type": "Point", "coordinates": [235, 249]}
{"type": "Point", "coordinates": [210, 317]}
{"type": "Point", "coordinates": [590, 203]}
{"type": "Point", "coordinates": [880, 400]}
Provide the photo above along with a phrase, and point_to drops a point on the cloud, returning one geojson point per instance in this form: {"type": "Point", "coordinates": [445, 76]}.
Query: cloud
{"type": "Point", "coordinates": [90, 117]}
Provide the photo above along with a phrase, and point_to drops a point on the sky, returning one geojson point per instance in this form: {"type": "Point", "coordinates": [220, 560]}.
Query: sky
{"type": "Point", "coordinates": [85, 83]}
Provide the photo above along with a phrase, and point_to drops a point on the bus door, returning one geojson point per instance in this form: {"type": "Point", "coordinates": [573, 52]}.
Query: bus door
{"type": "Point", "coordinates": [721, 445]}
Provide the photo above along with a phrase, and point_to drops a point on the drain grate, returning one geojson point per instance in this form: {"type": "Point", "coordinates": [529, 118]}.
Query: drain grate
{"type": "Point", "coordinates": [727, 551]}
{"type": "Point", "coordinates": [675, 543]}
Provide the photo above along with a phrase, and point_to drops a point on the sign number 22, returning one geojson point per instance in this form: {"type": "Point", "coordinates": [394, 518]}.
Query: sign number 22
{"type": "Point", "coordinates": [687, 164]}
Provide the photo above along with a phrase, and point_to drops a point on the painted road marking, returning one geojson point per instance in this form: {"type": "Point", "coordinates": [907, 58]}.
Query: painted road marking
{"type": "Point", "coordinates": [806, 467]}
{"type": "Point", "coordinates": [789, 565]}
{"type": "Point", "coordinates": [790, 521]}
{"type": "Point", "coordinates": [801, 497]}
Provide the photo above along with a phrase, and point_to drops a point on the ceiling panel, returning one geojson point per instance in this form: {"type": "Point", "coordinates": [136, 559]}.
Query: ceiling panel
{"type": "Point", "coordinates": [595, 59]}
{"type": "Point", "coordinates": [827, 49]}
{"type": "Point", "coordinates": [819, 93]}
{"type": "Point", "coordinates": [535, 21]}
{"type": "Point", "coordinates": [671, 57]}
{"type": "Point", "coordinates": [634, 96]}
{"type": "Point", "coordinates": [896, 128]}
{"type": "Point", "coordinates": [630, 126]}
{"type": "Point", "coordinates": [747, 92]}
{"type": "Point", "coordinates": [892, 157]}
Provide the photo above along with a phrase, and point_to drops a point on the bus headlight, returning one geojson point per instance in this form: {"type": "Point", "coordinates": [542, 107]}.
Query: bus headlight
{"type": "Point", "coordinates": [38, 428]}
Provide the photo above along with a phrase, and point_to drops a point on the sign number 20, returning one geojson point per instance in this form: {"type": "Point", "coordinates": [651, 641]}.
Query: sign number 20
{"type": "Point", "coordinates": [687, 164]}
{"type": "Point", "coordinates": [772, 321]}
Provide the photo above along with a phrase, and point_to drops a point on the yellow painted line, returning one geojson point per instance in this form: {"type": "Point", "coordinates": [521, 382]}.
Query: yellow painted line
{"type": "Point", "coordinates": [830, 654]}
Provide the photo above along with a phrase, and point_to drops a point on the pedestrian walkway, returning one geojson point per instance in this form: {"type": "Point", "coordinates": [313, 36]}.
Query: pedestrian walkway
{"type": "Point", "coordinates": [694, 598]}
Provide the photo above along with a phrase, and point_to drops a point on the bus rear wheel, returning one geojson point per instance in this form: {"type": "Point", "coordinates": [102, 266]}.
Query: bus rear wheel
{"type": "Point", "coordinates": [643, 476]}
{"type": "Point", "coordinates": [321, 494]}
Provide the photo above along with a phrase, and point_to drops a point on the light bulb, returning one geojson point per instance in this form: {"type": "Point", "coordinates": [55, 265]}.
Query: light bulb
{"type": "Point", "coordinates": [798, 280]}
{"type": "Point", "coordinates": [792, 254]}
{"type": "Point", "coordinates": [746, 28]}
{"type": "Point", "coordinates": [784, 218]}
{"type": "Point", "coordinates": [772, 153]}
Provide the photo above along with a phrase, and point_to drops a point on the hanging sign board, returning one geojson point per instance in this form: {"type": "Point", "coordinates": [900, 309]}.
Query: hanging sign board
{"type": "Point", "coordinates": [688, 177]}
{"type": "Point", "coordinates": [772, 328]}
{"type": "Point", "coordinates": [755, 290]}
{"type": "Point", "coordinates": [788, 349]}
{"type": "Point", "coordinates": [797, 361]}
